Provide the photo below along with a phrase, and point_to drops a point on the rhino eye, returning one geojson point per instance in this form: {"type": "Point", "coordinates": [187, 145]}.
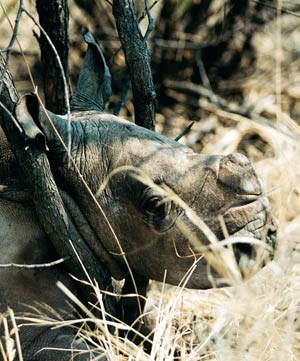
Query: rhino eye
{"type": "Point", "coordinates": [156, 206]}
{"type": "Point", "coordinates": [157, 212]}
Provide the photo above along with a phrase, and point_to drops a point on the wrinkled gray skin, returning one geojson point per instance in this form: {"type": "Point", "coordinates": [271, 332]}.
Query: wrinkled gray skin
{"type": "Point", "coordinates": [212, 186]}
{"type": "Point", "coordinates": [146, 229]}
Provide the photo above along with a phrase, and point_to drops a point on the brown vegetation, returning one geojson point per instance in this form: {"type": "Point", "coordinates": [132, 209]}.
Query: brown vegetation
{"type": "Point", "coordinates": [243, 99]}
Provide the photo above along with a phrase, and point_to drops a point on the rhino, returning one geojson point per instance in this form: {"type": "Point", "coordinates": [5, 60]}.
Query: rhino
{"type": "Point", "coordinates": [125, 167]}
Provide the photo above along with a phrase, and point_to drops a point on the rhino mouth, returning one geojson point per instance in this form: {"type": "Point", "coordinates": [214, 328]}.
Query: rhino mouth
{"type": "Point", "coordinates": [250, 216]}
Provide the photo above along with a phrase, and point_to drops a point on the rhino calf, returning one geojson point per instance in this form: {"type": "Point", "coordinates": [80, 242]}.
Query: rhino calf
{"type": "Point", "coordinates": [145, 221]}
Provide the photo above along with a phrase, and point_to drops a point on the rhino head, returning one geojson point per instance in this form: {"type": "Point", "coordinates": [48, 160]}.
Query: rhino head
{"type": "Point", "coordinates": [134, 173]}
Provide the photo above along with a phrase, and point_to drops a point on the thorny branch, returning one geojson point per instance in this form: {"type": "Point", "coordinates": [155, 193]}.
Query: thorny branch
{"type": "Point", "coordinates": [185, 131]}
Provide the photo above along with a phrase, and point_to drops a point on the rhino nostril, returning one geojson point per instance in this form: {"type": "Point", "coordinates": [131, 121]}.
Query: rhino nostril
{"type": "Point", "coordinates": [236, 172]}
{"type": "Point", "coordinates": [243, 253]}
{"type": "Point", "coordinates": [243, 248]}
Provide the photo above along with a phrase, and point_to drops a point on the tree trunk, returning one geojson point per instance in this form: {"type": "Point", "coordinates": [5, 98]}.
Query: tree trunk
{"type": "Point", "coordinates": [54, 19]}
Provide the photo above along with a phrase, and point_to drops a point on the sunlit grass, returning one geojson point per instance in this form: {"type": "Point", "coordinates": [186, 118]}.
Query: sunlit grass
{"type": "Point", "coordinates": [256, 319]}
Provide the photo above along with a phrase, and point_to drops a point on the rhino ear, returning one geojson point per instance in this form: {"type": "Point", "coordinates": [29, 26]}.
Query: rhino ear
{"type": "Point", "coordinates": [94, 83]}
{"type": "Point", "coordinates": [27, 114]}
{"type": "Point", "coordinates": [38, 123]}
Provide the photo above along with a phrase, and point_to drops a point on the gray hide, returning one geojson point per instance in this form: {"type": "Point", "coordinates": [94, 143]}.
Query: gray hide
{"type": "Point", "coordinates": [144, 220]}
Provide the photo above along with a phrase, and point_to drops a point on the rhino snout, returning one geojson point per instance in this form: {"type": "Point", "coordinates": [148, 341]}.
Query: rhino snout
{"type": "Point", "coordinates": [237, 173]}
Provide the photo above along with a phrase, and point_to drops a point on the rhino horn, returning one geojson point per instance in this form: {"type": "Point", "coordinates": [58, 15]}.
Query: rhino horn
{"type": "Point", "coordinates": [37, 122]}
{"type": "Point", "coordinates": [94, 83]}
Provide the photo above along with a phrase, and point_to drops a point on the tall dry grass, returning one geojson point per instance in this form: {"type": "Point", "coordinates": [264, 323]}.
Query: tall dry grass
{"type": "Point", "coordinates": [257, 319]}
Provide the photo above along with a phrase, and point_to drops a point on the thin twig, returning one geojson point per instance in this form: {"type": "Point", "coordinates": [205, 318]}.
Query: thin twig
{"type": "Point", "coordinates": [2, 352]}
{"type": "Point", "coordinates": [278, 60]}
{"type": "Point", "coordinates": [39, 265]}
{"type": "Point", "coordinates": [56, 55]}
{"type": "Point", "coordinates": [282, 10]}
{"type": "Point", "coordinates": [144, 14]}
{"type": "Point", "coordinates": [204, 77]}
{"type": "Point", "coordinates": [185, 131]}
{"type": "Point", "coordinates": [12, 40]}
{"type": "Point", "coordinates": [23, 55]}
{"type": "Point", "coordinates": [150, 20]}
{"type": "Point", "coordinates": [15, 30]}
{"type": "Point", "coordinates": [10, 350]}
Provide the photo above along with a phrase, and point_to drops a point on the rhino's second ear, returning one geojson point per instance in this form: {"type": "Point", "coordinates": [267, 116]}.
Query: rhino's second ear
{"type": "Point", "coordinates": [94, 84]}
{"type": "Point", "coordinates": [38, 123]}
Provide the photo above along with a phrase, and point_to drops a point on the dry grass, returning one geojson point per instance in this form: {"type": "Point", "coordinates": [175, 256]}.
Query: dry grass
{"type": "Point", "coordinates": [257, 319]}
{"type": "Point", "coordinates": [253, 320]}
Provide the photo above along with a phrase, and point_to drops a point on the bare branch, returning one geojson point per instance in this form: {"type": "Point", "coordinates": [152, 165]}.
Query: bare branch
{"type": "Point", "coordinates": [138, 62]}
{"type": "Point", "coordinates": [185, 131]}
{"type": "Point", "coordinates": [150, 20]}
{"type": "Point", "coordinates": [40, 265]}
{"type": "Point", "coordinates": [15, 31]}
{"type": "Point", "coordinates": [144, 14]}
{"type": "Point", "coordinates": [139, 20]}
{"type": "Point", "coordinates": [204, 77]}
{"type": "Point", "coordinates": [57, 58]}
{"type": "Point", "coordinates": [11, 42]}
{"type": "Point", "coordinates": [62, 71]}
{"type": "Point", "coordinates": [11, 116]}
{"type": "Point", "coordinates": [54, 19]}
